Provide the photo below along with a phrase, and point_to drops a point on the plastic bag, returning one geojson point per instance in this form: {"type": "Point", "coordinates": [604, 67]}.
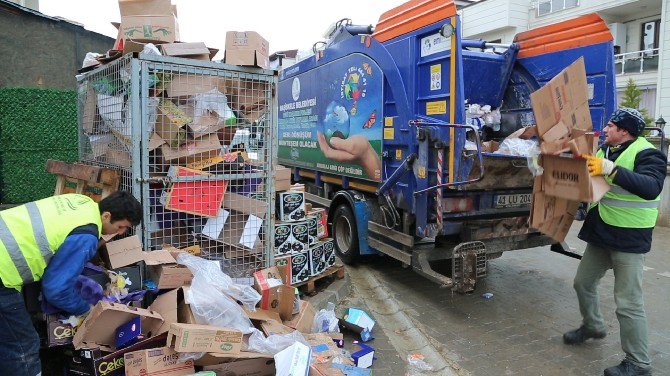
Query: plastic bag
{"type": "Point", "coordinates": [326, 321]}
{"type": "Point", "coordinates": [213, 275]}
{"type": "Point", "coordinates": [211, 295]}
{"type": "Point", "coordinates": [151, 49]}
{"type": "Point", "coordinates": [275, 342]}
{"type": "Point", "coordinates": [519, 147]}
{"type": "Point", "coordinates": [215, 101]}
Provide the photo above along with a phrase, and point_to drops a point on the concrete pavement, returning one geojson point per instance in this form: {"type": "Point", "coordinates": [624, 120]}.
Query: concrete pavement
{"type": "Point", "coordinates": [516, 332]}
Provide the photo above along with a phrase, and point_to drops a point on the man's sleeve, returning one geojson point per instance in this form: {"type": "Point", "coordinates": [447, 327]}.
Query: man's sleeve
{"type": "Point", "coordinates": [646, 180]}
{"type": "Point", "coordinates": [60, 276]}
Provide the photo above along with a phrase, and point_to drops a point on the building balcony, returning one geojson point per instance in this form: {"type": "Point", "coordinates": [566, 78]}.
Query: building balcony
{"type": "Point", "coordinates": [637, 62]}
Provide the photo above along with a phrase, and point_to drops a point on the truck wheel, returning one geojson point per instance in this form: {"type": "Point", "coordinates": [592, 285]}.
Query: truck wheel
{"type": "Point", "coordinates": [345, 234]}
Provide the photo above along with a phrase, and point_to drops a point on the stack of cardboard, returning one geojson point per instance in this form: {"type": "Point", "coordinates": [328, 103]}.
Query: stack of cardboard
{"type": "Point", "coordinates": [564, 129]}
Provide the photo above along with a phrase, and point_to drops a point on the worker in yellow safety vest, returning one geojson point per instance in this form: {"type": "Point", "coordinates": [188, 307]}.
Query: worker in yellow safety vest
{"type": "Point", "coordinates": [50, 240]}
{"type": "Point", "coordinates": [618, 231]}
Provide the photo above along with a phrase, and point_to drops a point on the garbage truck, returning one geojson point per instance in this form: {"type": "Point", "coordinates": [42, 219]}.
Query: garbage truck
{"type": "Point", "coordinates": [390, 128]}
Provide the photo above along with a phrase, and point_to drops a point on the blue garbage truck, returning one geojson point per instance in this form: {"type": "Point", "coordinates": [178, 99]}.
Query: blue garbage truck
{"type": "Point", "coordinates": [384, 127]}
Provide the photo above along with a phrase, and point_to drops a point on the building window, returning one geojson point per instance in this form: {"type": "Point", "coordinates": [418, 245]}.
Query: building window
{"type": "Point", "coordinates": [550, 6]}
{"type": "Point", "coordinates": [650, 35]}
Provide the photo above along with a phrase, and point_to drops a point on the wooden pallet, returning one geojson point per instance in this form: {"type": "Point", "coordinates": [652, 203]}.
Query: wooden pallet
{"type": "Point", "coordinates": [308, 286]}
{"type": "Point", "coordinates": [93, 181]}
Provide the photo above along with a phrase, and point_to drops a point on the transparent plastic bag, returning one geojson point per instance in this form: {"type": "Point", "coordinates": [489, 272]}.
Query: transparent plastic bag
{"type": "Point", "coordinates": [211, 295]}
{"type": "Point", "coordinates": [519, 147]}
{"type": "Point", "coordinates": [273, 343]}
{"type": "Point", "coordinates": [214, 101]}
{"type": "Point", "coordinates": [326, 321]}
{"type": "Point", "coordinates": [215, 278]}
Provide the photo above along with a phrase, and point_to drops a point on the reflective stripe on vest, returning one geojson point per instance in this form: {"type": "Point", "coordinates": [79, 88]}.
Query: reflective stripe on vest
{"type": "Point", "coordinates": [622, 208]}
{"type": "Point", "coordinates": [15, 253]}
{"type": "Point", "coordinates": [38, 231]}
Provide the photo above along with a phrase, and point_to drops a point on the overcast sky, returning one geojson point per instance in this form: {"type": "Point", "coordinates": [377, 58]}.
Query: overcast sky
{"type": "Point", "coordinates": [289, 24]}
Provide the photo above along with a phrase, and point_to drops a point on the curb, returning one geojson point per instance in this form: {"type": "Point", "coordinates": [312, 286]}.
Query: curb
{"type": "Point", "coordinates": [336, 291]}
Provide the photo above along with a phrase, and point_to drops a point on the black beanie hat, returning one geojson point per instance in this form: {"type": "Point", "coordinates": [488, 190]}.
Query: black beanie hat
{"type": "Point", "coordinates": [629, 119]}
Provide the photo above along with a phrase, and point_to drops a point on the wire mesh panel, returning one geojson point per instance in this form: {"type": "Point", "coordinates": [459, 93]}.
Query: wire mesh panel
{"type": "Point", "coordinates": [195, 142]}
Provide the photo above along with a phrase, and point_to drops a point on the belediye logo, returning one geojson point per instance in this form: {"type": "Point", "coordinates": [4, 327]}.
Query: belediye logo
{"type": "Point", "coordinates": [295, 88]}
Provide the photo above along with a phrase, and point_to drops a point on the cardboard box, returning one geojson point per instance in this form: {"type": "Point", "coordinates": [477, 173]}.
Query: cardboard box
{"type": "Point", "coordinates": [262, 315]}
{"type": "Point", "coordinates": [150, 28]}
{"type": "Point", "coordinates": [247, 48]}
{"type": "Point", "coordinates": [94, 362]}
{"type": "Point", "coordinates": [297, 265]}
{"type": "Point", "coordinates": [312, 231]}
{"type": "Point", "coordinates": [123, 252]}
{"type": "Point", "coordinates": [197, 51]}
{"type": "Point", "coordinates": [174, 307]}
{"type": "Point", "coordinates": [196, 150]}
{"type": "Point", "coordinates": [283, 240]}
{"type": "Point", "coordinates": [490, 146]}
{"type": "Point", "coordinates": [303, 321]}
{"type": "Point", "coordinates": [321, 221]}
{"type": "Point", "coordinates": [293, 360]}
{"type": "Point", "coordinates": [97, 330]}
{"type": "Point", "coordinates": [290, 206]}
{"type": "Point", "coordinates": [204, 338]}
{"type": "Point", "coordinates": [317, 261]}
{"type": "Point", "coordinates": [329, 252]}
{"type": "Point", "coordinates": [569, 178]}
{"type": "Point", "coordinates": [300, 234]}
{"type": "Point", "coordinates": [157, 362]}
{"type": "Point", "coordinates": [58, 334]}
{"type": "Point", "coordinates": [246, 205]}
{"type": "Point", "coordinates": [240, 230]}
{"type": "Point", "coordinates": [282, 179]}
{"type": "Point", "coordinates": [359, 322]}
{"type": "Point", "coordinates": [275, 294]}
{"type": "Point", "coordinates": [165, 271]}
{"type": "Point", "coordinates": [245, 367]}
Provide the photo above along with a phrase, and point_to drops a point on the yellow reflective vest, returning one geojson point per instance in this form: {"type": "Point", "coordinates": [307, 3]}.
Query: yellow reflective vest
{"type": "Point", "coordinates": [621, 208]}
{"type": "Point", "coordinates": [30, 234]}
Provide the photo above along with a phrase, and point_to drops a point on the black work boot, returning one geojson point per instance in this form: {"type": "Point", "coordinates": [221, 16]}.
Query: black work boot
{"type": "Point", "coordinates": [577, 336]}
{"type": "Point", "coordinates": [627, 368]}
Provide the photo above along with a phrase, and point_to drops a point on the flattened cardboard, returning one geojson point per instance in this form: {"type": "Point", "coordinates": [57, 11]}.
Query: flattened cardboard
{"type": "Point", "coordinates": [198, 51]}
{"type": "Point", "coordinates": [123, 252]}
{"type": "Point", "coordinates": [156, 362]}
{"type": "Point", "coordinates": [270, 327]}
{"type": "Point", "coordinates": [212, 359]}
{"type": "Point", "coordinates": [303, 321]}
{"type": "Point", "coordinates": [245, 367]}
{"type": "Point", "coordinates": [186, 85]}
{"type": "Point", "coordinates": [95, 330]}
{"type": "Point", "coordinates": [204, 338]}
{"type": "Point", "coordinates": [262, 315]}
{"type": "Point", "coordinates": [196, 150]}
{"type": "Point", "coordinates": [246, 205]}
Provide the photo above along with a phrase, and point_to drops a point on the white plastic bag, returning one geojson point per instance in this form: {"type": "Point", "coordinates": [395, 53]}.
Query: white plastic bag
{"type": "Point", "coordinates": [212, 293]}
{"type": "Point", "coordinates": [215, 278]}
{"type": "Point", "coordinates": [215, 101]}
{"type": "Point", "coordinates": [275, 342]}
{"type": "Point", "coordinates": [326, 321]}
{"type": "Point", "coordinates": [519, 147]}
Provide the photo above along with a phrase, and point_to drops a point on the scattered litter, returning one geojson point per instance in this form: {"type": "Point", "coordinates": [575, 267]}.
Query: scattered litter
{"type": "Point", "coordinates": [487, 295]}
{"type": "Point", "coordinates": [416, 365]}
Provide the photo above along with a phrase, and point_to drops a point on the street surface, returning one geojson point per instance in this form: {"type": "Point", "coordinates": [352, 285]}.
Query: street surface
{"type": "Point", "coordinates": [516, 332]}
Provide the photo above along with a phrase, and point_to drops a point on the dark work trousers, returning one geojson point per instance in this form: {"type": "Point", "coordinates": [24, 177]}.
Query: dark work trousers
{"type": "Point", "coordinates": [19, 342]}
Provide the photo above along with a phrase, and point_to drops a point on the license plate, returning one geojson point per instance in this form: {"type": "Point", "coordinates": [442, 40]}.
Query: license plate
{"type": "Point", "coordinates": [510, 201]}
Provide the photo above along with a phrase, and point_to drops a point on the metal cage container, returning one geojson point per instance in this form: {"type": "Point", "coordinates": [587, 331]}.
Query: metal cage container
{"type": "Point", "coordinates": [194, 141]}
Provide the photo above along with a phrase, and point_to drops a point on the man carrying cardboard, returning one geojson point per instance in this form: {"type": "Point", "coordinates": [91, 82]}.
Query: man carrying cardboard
{"type": "Point", "coordinates": [618, 231]}
{"type": "Point", "coordinates": [50, 240]}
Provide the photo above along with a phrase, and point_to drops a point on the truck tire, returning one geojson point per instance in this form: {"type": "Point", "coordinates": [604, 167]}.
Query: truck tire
{"type": "Point", "coordinates": [345, 234]}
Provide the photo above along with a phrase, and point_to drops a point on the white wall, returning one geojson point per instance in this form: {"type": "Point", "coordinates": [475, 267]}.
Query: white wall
{"type": "Point", "coordinates": [495, 18]}
{"type": "Point", "coordinates": [585, 7]}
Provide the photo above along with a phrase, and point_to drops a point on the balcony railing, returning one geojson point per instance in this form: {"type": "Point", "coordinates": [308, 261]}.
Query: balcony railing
{"type": "Point", "coordinates": [637, 61]}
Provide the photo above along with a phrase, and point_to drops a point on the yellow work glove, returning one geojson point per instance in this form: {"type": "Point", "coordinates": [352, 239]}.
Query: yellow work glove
{"type": "Point", "coordinates": [598, 166]}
